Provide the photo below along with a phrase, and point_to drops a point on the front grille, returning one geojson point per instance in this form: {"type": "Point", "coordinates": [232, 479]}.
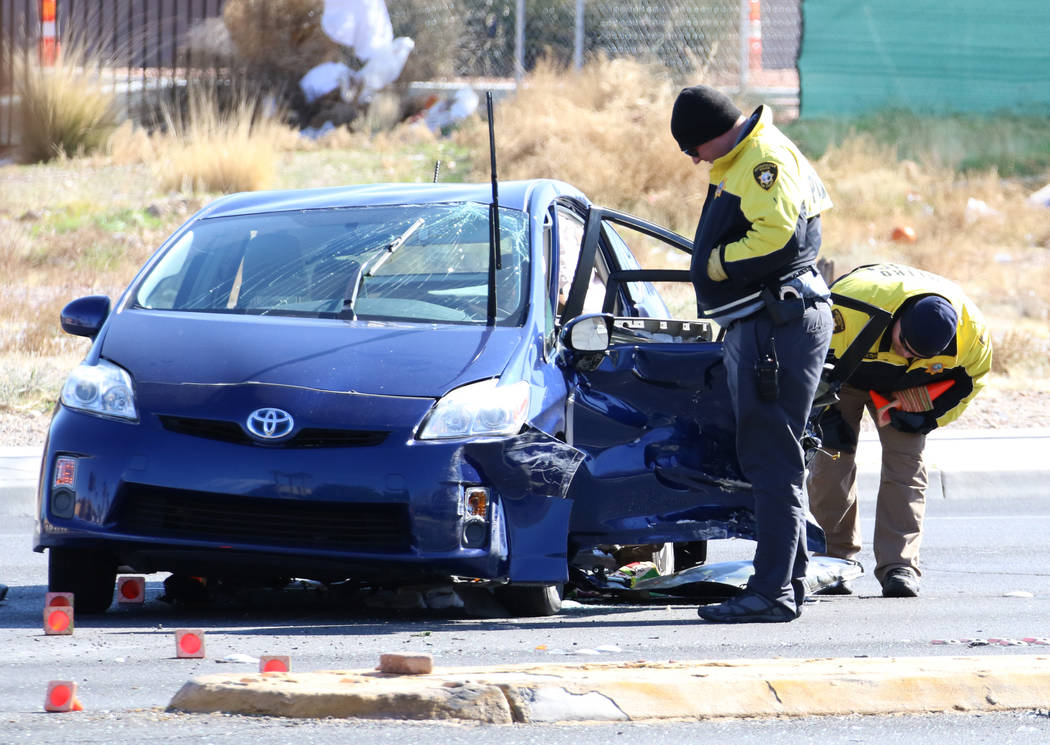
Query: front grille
{"type": "Point", "coordinates": [175, 513]}
{"type": "Point", "coordinates": [226, 431]}
{"type": "Point", "coordinates": [336, 438]}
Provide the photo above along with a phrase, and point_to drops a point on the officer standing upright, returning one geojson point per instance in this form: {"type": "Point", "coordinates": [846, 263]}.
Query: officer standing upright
{"type": "Point", "coordinates": [753, 271]}
{"type": "Point", "coordinates": [922, 346]}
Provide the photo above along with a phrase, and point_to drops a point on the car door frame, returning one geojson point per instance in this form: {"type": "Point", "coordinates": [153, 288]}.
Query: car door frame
{"type": "Point", "coordinates": [593, 219]}
{"type": "Point", "coordinates": [670, 500]}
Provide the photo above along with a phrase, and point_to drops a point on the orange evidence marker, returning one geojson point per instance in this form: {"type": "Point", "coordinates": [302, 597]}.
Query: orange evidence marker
{"type": "Point", "coordinates": [58, 598]}
{"type": "Point", "coordinates": [274, 663]}
{"type": "Point", "coordinates": [131, 590]}
{"type": "Point", "coordinates": [62, 696]}
{"type": "Point", "coordinates": [58, 619]}
{"type": "Point", "coordinates": [189, 643]}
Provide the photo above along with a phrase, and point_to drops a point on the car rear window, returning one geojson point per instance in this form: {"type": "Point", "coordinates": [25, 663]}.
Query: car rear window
{"type": "Point", "coordinates": [426, 263]}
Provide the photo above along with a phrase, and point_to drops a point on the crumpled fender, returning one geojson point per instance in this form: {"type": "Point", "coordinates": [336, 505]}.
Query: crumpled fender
{"type": "Point", "coordinates": [532, 463]}
{"type": "Point", "coordinates": [533, 471]}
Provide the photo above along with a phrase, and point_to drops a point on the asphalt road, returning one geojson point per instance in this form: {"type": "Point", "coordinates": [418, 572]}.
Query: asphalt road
{"type": "Point", "coordinates": [986, 587]}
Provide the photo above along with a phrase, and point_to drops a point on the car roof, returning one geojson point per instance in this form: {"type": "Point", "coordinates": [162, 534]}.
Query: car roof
{"type": "Point", "coordinates": [513, 194]}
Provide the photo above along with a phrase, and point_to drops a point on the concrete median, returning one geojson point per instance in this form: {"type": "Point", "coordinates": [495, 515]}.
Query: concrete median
{"type": "Point", "coordinates": [637, 691]}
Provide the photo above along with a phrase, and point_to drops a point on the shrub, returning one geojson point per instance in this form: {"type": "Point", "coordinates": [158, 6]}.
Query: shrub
{"type": "Point", "coordinates": [1022, 351]}
{"type": "Point", "coordinates": [218, 145]}
{"type": "Point", "coordinates": [604, 129]}
{"type": "Point", "coordinates": [280, 37]}
{"type": "Point", "coordinates": [64, 109]}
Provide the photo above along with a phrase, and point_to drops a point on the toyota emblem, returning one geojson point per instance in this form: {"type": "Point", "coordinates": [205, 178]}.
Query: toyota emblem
{"type": "Point", "coordinates": [270, 424]}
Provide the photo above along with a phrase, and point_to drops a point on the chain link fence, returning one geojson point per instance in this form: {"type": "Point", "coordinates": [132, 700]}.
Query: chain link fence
{"type": "Point", "coordinates": [712, 41]}
{"type": "Point", "coordinates": [504, 38]}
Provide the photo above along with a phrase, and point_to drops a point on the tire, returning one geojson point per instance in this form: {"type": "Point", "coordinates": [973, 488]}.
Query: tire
{"type": "Point", "coordinates": [90, 575]}
{"type": "Point", "coordinates": [530, 601]}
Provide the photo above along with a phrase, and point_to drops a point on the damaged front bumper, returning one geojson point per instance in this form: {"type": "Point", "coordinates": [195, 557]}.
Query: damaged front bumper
{"type": "Point", "coordinates": [160, 500]}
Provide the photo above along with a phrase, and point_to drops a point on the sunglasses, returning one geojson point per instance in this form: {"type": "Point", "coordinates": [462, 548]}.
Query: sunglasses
{"type": "Point", "coordinates": [692, 152]}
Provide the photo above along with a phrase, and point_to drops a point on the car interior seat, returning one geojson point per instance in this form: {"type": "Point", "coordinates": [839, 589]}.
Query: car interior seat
{"type": "Point", "coordinates": [273, 272]}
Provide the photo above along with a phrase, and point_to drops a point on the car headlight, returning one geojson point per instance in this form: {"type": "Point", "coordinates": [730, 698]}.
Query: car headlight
{"type": "Point", "coordinates": [484, 408]}
{"type": "Point", "coordinates": [102, 389]}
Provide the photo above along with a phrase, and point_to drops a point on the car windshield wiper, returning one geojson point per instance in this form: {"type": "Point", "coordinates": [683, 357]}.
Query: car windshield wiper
{"type": "Point", "coordinates": [354, 286]}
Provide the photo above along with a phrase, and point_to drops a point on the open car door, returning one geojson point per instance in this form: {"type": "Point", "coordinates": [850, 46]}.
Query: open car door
{"type": "Point", "coordinates": [648, 404]}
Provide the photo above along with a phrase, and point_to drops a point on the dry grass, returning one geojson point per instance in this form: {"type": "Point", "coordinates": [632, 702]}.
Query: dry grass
{"type": "Point", "coordinates": [218, 148]}
{"type": "Point", "coordinates": [58, 256]}
{"type": "Point", "coordinates": [83, 225]}
{"type": "Point", "coordinates": [65, 109]}
{"type": "Point", "coordinates": [604, 129]}
{"type": "Point", "coordinates": [1022, 355]}
{"type": "Point", "coordinates": [975, 228]}
{"type": "Point", "coordinates": [27, 382]}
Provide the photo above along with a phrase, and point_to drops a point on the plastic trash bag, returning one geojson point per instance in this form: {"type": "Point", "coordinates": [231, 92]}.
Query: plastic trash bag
{"type": "Point", "coordinates": [324, 78]}
{"type": "Point", "coordinates": [384, 67]}
{"type": "Point", "coordinates": [447, 112]}
{"type": "Point", "coordinates": [363, 25]}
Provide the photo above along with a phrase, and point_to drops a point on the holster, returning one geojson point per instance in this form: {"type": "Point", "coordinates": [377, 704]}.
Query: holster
{"type": "Point", "coordinates": [783, 310]}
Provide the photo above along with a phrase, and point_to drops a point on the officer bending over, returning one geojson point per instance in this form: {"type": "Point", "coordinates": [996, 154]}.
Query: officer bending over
{"type": "Point", "coordinates": [921, 345]}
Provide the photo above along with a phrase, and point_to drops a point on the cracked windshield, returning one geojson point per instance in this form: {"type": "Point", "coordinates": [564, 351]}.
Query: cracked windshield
{"type": "Point", "coordinates": [411, 263]}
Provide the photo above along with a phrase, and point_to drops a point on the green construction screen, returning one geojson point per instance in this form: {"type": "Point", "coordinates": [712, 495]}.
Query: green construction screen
{"type": "Point", "coordinates": [925, 56]}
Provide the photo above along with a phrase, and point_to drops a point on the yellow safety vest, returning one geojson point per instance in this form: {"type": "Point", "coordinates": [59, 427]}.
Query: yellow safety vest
{"type": "Point", "coordinates": [893, 287]}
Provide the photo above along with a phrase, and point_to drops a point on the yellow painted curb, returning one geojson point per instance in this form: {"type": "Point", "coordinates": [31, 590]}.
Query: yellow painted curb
{"type": "Point", "coordinates": [638, 691]}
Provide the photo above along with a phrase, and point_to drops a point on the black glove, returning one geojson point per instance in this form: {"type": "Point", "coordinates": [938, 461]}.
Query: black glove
{"type": "Point", "coordinates": [835, 433]}
{"type": "Point", "coordinates": [912, 422]}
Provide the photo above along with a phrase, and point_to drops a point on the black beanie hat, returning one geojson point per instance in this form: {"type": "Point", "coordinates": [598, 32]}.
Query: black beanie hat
{"type": "Point", "coordinates": [928, 326]}
{"type": "Point", "coordinates": [701, 114]}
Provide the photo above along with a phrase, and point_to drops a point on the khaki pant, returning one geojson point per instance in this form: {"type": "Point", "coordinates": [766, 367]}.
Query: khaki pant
{"type": "Point", "coordinates": [832, 487]}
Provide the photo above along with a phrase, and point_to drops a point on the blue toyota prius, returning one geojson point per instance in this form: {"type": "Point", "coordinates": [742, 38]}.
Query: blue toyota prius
{"type": "Point", "coordinates": [392, 384]}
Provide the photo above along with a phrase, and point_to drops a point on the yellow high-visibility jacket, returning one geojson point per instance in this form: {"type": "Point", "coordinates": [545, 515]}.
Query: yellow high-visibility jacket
{"type": "Point", "coordinates": [893, 288]}
{"type": "Point", "coordinates": [760, 222]}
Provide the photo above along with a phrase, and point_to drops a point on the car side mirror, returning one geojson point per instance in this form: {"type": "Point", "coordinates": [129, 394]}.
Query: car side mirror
{"type": "Point", "coordinates": [588, 333]}
{"type": "Point", "coordinates": [85, 316]}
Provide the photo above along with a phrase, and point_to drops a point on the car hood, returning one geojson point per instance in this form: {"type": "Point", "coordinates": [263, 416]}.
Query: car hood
{"type": "Point", "coordinates": [381, 358]}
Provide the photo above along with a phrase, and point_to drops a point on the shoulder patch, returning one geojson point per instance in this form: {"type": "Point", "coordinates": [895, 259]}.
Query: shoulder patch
{"type": "Point", "coordinates": [765, 174]}
{"type": "Point", "coordinates": [840, 322]}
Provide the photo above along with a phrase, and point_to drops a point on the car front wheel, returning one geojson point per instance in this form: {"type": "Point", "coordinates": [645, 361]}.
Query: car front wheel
{"type": "Point", "coordinates": [88, 574]}
{"type": "Point", "coordinates": [531, 600]}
